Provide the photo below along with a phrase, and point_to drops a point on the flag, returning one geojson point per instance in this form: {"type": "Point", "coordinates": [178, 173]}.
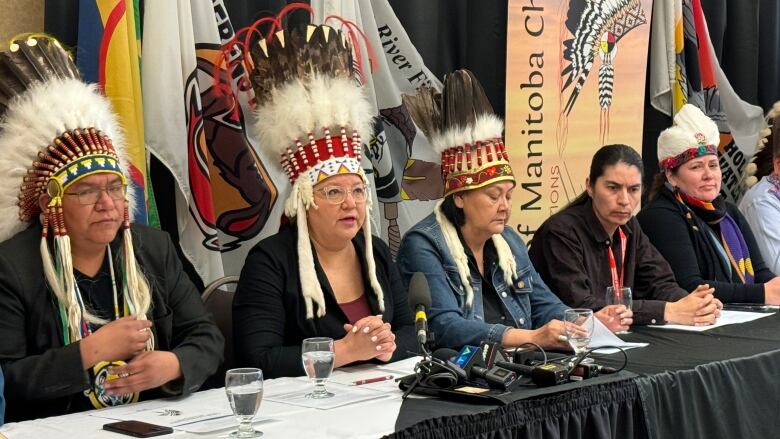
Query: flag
{"type": "Point", "coordinates": [404, 170]}
{"type": "Point", "coordinates": [225, 197]}
{"type": "Point", "coordinates": [686, 70]}
{"type": "Point", "coordinates": [109, 55]}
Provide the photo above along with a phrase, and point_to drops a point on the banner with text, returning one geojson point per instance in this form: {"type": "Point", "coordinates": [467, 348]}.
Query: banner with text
{"type": "Point", "coordinates": [575, 82]}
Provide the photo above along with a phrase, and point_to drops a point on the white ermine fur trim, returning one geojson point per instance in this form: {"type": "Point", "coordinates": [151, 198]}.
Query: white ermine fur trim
{"type": "Point", "coordinates": [310, 286]}
{"type": "Point", "coordinates": [688, 122]}
{"type": "Point", "coordinates": [299, 107]}
{"type": "Point", "coordinates": [486, 127]}
{"type": "Point", "coordinates": [34, 120]}
{"type": "Point", "coordinates": [457, 252]}
{"type": "Point", "coordinates": [300, 200]}
{"type": "Point", "coordinates": [370, 263]}
{"type": "Point", "coordinates": [506, 260]}
{"type": "Point", "coordinates": [140, 297]}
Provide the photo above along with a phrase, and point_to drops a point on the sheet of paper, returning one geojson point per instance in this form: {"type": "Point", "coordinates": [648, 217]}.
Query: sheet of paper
{"type": "Point", "coordinates": [295, 394]}
{"type": "Point", "coordinates": [602, 336]}
{"type": "Point", "coordinates": [403, 367]}
{"type": "Point", "coordinates": [726, 318]}
{"type": "Point", "coordinates": [170, 413]}
{"type": "Point", "coordinates": [219, 424]}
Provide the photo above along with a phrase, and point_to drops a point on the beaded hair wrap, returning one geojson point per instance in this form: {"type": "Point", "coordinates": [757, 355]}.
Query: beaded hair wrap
{"type": "Point", "coordinates": [312, 114]}
{"type": "Point", "coordinates": [54, 131]}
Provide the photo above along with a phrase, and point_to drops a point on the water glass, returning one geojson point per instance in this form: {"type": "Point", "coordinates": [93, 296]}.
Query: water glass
{"type": "Point", "coordinates": [244, 388]}
{"type": "Point", "coordinates": [579, 328]}
{"type": "Point", "coordinates": [620, 296]}
{"type": "Point", "coordinates": [318, 357]}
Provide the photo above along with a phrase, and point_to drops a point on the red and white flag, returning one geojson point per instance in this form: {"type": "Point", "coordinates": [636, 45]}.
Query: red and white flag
{"type": "Point", "coordinates": [225, 195]}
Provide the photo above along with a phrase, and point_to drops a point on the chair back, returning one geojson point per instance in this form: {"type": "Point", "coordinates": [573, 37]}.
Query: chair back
{"type": "Point", "coordinates": [218, 300]}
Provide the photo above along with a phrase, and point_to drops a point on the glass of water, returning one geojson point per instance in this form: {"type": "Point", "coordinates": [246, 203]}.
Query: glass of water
{"type": "Point", "coordinates": [619, 296]}
{"type": "Point", "coordinates": [244, 388]}
{"type": "Point", "coordinates": [318, 358]}
{"type": "Point", "coordinates": [579, 328]}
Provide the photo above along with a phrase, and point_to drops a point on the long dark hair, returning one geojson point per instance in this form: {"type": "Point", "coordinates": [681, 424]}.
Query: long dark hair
{"type": "Point", "coordinates": [452, 212]}
{"type": "Point", "coordinates": [608, 155]}
{"type": "Point", "coordinates": [658, 183]}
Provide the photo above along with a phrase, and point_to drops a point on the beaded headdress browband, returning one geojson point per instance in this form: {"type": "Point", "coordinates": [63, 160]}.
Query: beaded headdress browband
{"type": "Point", "coordinates": [461, 126]}
{"type": "Point", "coordinates": [311, 113]}
{"type": "Point", "coordinates": [56, 130]}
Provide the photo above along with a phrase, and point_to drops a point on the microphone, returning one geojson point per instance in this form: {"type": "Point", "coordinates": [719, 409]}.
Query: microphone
{"type": "Point", "coordinates": [445, 354]}
{"type": "Point", "coordinates": [549, 374]}
{"type": "Point", "coordinates": [471, 360]}
{"type": "Point", "coordinates": [420, 302]}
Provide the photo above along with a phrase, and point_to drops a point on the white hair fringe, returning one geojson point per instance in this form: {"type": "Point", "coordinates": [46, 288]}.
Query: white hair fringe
{"type": "Point", "coordinates": [506, 260]}
{"type": "Point", "coordinates": [62, 283]}
{"type": "Point", "coordinates": [457, 251]}
{"type": "Point", "coordinates": [298, 202]}
{"type": "Point", "coordinates": [140, 298]}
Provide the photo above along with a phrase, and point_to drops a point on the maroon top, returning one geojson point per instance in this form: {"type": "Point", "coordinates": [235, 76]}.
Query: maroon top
{"type": "Point", "coordinates": [357, 309]}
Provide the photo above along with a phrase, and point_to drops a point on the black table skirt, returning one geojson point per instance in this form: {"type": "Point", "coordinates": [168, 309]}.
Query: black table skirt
{"type": "Point", "coordinates": [606, 411]}
{"type": "Point", "coordinates": [722, 383]}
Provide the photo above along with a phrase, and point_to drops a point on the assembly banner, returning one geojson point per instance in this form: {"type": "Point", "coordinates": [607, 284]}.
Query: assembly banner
{"type": "Point", "coordinates": [575, 82]}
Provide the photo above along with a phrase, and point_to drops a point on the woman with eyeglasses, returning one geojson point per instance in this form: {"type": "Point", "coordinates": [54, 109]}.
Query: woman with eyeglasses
{"type": "Point", "coordinates": [270, 312]}
{"type": "Point", "coordinates": [323, 275]}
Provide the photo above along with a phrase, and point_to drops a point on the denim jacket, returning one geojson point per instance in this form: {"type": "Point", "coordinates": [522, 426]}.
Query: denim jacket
{"type": "Point", "coordinates": [528, 301]}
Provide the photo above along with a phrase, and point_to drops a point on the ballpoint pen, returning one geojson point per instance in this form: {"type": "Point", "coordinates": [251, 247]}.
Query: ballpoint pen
{"type": "Point", "coordinates": [372, 380]}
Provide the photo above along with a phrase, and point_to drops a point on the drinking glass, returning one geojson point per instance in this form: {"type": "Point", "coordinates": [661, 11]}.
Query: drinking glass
{"type": "Point", "coordinates": [620, 296]}
{"type": "Point", "coordinates": [244, 388]}
{"type": "Point", "coordinates": [579, 328]}
{"type": "Point", "coordinates": [318, 358]}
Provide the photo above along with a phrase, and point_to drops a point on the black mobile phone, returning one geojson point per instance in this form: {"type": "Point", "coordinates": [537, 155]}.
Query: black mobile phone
{"type": "Point", "coordinates": [137, 428]}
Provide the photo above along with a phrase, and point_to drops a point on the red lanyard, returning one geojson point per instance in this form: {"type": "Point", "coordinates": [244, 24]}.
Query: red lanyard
{"type": "Point", "coordinates": [617, 282]}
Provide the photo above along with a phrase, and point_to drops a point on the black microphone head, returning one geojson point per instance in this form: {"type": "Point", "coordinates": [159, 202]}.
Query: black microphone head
{"type": "Point", "coordinates": [445, 354]}
{"type": "Point", "coordinates": [419, 292]}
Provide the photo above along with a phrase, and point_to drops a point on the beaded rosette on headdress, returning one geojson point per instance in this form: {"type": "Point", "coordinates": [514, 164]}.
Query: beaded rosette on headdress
{"type": "Point", "coordinates": [693, 135]}
{"type": "Point", "coordinates": [312, 114]}
{"type": "Point", "coordinates": [460, 125]}
{"type": "Point", "coordinates": [56, 130]}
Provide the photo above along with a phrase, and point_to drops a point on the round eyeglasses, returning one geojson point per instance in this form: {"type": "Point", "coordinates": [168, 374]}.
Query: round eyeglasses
{"type": "Point", "coordinates": [337, 194]}
{"type": "Point", "coordinates": [91, 196]}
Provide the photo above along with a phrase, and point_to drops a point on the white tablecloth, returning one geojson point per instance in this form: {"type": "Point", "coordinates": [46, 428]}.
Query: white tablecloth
{"type": "Point", "coordinates": [367, 419]}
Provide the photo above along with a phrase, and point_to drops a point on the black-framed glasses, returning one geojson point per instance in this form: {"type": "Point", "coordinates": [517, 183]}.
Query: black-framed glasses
{"type": "Point", "coordinates": [337, 194]}
{"type": "Point", "coordinates": [92, 196]}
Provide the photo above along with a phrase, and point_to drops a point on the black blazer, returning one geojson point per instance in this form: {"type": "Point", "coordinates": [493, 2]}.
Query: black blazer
{"type": "Point", "coordinates": [45, 378]}
{"type": "Point", "coordinates": [269, 312]}
{"type": "Point", "coordinates": [693, 258]}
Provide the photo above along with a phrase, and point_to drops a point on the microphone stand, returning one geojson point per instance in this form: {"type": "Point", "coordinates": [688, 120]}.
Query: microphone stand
{"type": "Point", "coordinates": [423, 364]}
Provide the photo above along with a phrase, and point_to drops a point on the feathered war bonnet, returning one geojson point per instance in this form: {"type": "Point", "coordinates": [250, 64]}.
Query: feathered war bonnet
{"type": "Point", "coordinates": [693, 135]}
{"type": "Point", "coordinates": [312, 114]}
{"type": "Point", "coordinates": [54, 131]}
{"type": "Point", "coordinates": [461, 126]}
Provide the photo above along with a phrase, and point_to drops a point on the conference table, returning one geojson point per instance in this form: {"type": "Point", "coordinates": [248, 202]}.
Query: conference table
{"type": "Point", "coordinates": [720, 383]}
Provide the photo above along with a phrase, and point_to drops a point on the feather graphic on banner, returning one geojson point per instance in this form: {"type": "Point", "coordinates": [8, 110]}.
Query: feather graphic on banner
{"type": "Point", "coordinates": [591, 31]}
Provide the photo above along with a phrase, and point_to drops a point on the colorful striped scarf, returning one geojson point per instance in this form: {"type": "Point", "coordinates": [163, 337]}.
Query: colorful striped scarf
{"type": "Point", "coordinates": [731, 237]}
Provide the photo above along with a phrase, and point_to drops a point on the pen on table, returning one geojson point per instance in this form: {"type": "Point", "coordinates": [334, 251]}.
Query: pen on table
{"type": "Point", "coordinates": [372, 380]}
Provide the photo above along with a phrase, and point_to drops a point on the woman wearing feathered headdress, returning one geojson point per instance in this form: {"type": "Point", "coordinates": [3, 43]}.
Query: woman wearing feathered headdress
{"type": "Point", "coordinates": [95, 311]}
{"type": "Point", "coordinates": [483, 286]}
{"type": "Point", "coordinates": [324, 275]}
{"type": "Point", "coordinates": [704, 237]}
